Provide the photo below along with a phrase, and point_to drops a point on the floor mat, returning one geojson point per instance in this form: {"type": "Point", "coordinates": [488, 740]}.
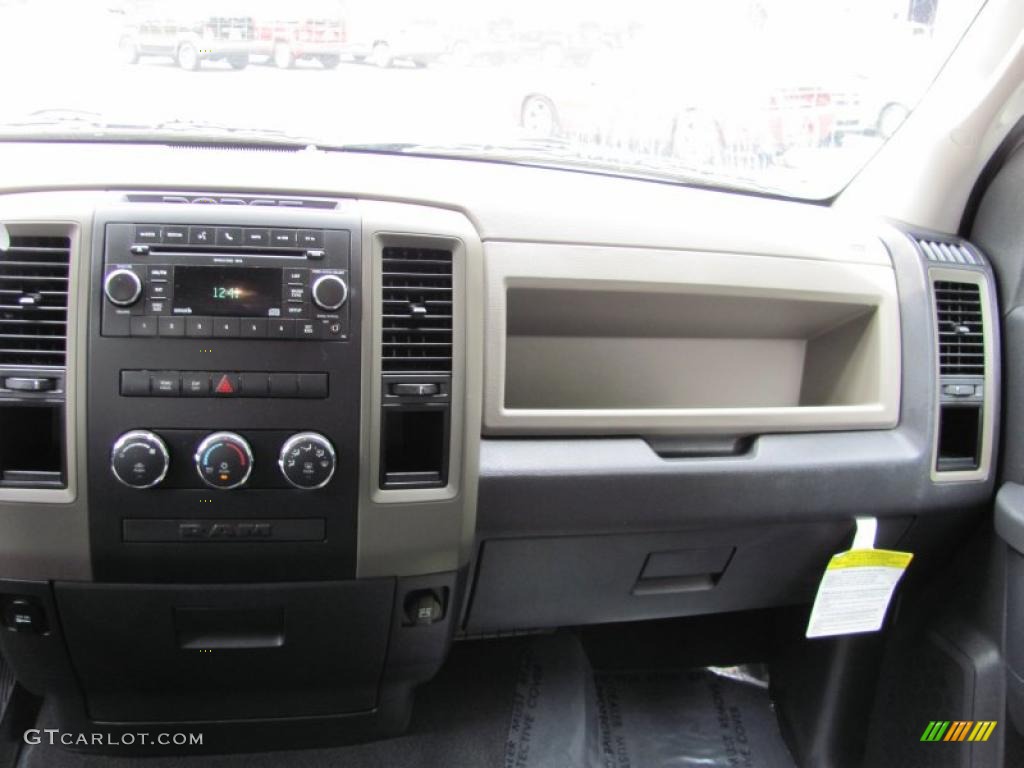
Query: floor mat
{"type": "Point", "coordinates": [566, 715]}
{"type": "Point", "coordinates": [532, 703]}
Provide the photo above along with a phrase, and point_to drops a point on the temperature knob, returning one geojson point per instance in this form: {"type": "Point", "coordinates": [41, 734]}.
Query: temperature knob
{"type": "Point", "coordinates": [307, 460]}
{"type": "Point", "coordinates": [224, 460]}
{"type": "Point", "coordinates": [122, 287]}
{"type": "Point", "coordinates": [139, 459]}
{"type": "Point", "coordinates": [329, 292]}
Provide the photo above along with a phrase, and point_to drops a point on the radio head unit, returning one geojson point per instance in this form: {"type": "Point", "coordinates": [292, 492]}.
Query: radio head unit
{"type": "Point", "coordinates": [209, 281]}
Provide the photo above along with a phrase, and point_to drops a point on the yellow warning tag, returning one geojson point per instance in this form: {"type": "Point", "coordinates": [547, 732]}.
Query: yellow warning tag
{"type": "Point", "coordinates": [857, 586]}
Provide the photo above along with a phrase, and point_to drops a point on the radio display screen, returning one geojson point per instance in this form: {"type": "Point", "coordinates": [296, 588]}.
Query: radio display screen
{"type": "Point", "coordinates": [234, 291]}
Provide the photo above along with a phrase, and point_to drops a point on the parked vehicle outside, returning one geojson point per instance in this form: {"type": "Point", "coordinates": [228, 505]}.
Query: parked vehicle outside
{"type": "Point", "coordinates": [189, 32]}
{"type": "Point", "coordinates": [308, 30]}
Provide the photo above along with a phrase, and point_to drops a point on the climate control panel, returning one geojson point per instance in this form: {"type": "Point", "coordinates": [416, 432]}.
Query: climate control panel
{"type": "Point", "coordinates": [223, 460]}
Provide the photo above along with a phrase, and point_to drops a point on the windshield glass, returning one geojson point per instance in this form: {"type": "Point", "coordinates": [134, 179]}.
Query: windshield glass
{"type": "Point", "coordinates": [786, 96]}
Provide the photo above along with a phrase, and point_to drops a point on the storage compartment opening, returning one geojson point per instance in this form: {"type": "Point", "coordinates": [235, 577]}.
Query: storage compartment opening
{"type": "Point", "coordinates": [598, 350]}
{"type": "Point", "coordinates": [959, 437]}
{"type": "Point", "coordinates": [32, 446]}
{"type": "Point", "coordinates": [414, 447]}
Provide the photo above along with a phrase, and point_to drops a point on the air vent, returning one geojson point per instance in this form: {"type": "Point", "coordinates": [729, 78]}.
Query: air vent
{"type": "Point", "coordinates": [218, 199]}
{"type": "Point", "coordinates": [940, 252]}
{"type": "Point", "coordinates": [417, 310]}
{"type": "Point", "coordinates": [961, 333]}
{"type": "Point", "coordinates": [34, 301]}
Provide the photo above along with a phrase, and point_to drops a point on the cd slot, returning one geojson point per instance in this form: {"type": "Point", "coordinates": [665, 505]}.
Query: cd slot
{"type": "Point", "coordinates": [212, 250]}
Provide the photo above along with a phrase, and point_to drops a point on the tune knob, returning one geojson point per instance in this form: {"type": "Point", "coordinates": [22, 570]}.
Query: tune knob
{"type": "Point", "coordinates": [307, 460]}
{"type": "Point", "coordinates": [329, 292]}
{"type": "Point", "coordinates": [139, 459]}
{"type": "Point", "coordinates": [122, 287]}
{"type": "Point", "coordinates": [224, 460]}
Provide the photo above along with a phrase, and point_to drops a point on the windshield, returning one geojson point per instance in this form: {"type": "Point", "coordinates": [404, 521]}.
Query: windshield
{"type": "Point", "coordinates": [786, 96]}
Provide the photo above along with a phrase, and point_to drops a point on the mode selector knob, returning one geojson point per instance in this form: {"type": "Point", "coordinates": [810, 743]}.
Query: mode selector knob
{"type": "Point", "coordinates": [139, 459]}
{"type": "Point", "coordinates": [307, 460]}
{"type": "Point", "coordinates": [224, 460]}
{"type": "Point", "coordinates": [122, 287]}
{"type": "Point", "coordinates": [329, 292]}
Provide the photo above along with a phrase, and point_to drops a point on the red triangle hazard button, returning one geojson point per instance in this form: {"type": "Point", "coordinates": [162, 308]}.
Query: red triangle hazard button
{"type": "Point", "coordinates": [226, 385]}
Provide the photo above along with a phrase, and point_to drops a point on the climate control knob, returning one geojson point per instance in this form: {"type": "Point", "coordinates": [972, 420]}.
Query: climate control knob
{"type": "Point", "coordinates": [329, 292]}
{"type": "Point", "coordinates": [224, 460]}
{"type": "Point", "coordinates": [307, 460]}
{"type": "Point", "coordinates": [122, 287]}
{"type": "Point", "coordinates": [139, 459]}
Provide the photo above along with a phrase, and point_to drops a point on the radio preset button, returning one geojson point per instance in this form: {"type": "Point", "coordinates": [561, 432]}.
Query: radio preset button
{"type": "Point", "coordinates": [254, 328]}
{"type": "Point", "coordinates": [122, 287]}
{"type": "Point", "coordinates": [312, 385]}
{"type": "Point", "coordinates": [201, 235]}
{"type": "Point", "coordinates": [171, 326]}
{"type": "Point", "coordinates": [281, 329]}
{"type": "Point", "coordinates": [143, 325]}
{"type": "Point", "coordinates": [198, 327]}
{"type": "Point", "coordinates": [226, 327]}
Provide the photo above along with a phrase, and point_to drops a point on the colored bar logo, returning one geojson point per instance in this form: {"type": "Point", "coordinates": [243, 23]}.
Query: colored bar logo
{"type": "Point", "coordinates": [958, 730]}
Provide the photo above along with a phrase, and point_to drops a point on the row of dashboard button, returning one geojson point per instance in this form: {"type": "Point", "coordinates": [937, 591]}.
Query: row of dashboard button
{"type": "Point", "coordinates": [177, 326]}
{"type": "Point", "coordinates": [247, 237]}
{"type": "Point", "coordinates": [223, 384]}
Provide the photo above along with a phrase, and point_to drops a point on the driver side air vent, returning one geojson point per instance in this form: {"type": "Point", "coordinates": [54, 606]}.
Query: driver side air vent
{"type": "Point", "coordinates": [416, 288]}
{"type": "Point", "coordinates": [34, 301]}
{"type": "Point", "coordinates": [960, 328]}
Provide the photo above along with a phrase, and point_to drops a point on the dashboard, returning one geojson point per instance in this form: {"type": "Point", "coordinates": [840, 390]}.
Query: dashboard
{"type": "Point", "coordinates": [323, 414]}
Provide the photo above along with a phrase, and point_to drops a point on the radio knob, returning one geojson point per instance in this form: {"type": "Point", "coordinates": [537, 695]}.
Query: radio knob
{"type": "Point", "coordinates": [307, 460]}
{"type": "Point", "coordinates": [329, 292]}
{"type": "Point", "coordinates": [139, 459]}
{"type": "Point", "coordinates": [122, 287]}
{"type": "Point", "coordinates": [224, 460]}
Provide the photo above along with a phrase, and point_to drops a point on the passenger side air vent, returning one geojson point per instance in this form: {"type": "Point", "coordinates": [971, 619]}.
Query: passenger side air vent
{"type": "Point", "coordinates": [961, 332]}
{"type": "Point", "coordinates": [417, 310]}
{"type": "Point", "coordinates": [34, 301]}
{"type": "Point", "coordinates": [952, 253]}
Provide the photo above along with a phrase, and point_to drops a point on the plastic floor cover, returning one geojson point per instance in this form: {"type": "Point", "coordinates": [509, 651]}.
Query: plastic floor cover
{"type": "Point", "coordinates": [534, 703]}
{"type": "Point", "coordinates": [565, 714]}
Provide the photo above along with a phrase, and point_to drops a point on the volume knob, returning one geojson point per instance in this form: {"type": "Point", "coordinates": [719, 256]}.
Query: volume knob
{"type": "Point", "coordinates": [122, 287]}
{"type": "Point", "coordinates": [329, 292]}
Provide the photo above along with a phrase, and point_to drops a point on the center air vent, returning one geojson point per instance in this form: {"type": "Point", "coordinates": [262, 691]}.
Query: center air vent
{"type": "Point", "coordinates": [34, 301]}
{"type": "Point", "coordinates": [417, 310]}
{"type": "Point", "coordinates": [960, 328]}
